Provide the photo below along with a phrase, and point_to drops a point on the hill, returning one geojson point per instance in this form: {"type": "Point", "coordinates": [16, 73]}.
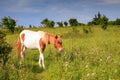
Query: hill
{"type": "Point", "coordinates": [88, 56]}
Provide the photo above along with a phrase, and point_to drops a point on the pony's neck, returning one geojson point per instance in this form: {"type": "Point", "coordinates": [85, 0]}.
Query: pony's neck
{"type": "Point", "coordinates": [50, 38]}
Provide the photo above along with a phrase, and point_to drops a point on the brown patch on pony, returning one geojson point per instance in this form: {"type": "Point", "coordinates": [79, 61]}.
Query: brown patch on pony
{"type": "Point", "coordinates": [23, 37]}
{"type": "Point", "coordinates": [55, 40]}
{"type": "Point", "coordinates": [58, 42]}
{"type": "Point", "coordinates": [49, 38]}
{"type": "Point", "coordinates": [19, 45]}
{"type": "Point", "coordinates": [42, 45]}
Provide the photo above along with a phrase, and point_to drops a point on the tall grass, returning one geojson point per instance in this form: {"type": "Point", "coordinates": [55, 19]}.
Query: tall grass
{"type": "Point", "coordinates": [92, 56]}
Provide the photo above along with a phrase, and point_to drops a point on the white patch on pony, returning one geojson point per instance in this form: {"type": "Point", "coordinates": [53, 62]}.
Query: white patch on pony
{"type": "Point", "coordinates": [32, 38]}
{"type": "Point", "coordinates": [41, 59]}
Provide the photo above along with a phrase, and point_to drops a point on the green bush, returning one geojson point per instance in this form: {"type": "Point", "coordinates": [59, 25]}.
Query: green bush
{"type": "Point", "coordinates": [5, 50]}
{"type": "Point", "coordinates": [85, 30]}
{"type": "Point", "coordinates": [104, 26]}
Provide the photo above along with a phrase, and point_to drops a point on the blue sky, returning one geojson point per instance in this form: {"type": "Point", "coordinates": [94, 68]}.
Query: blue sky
{"type": "Point", "coordinates": [27, 12]}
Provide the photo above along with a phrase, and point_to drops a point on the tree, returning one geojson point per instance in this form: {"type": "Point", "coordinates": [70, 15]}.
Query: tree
{"type": "Point", "coordinates": [81, 24]}
{"type": "Point", "coordinates": [5, 49]}
{"type": "Point", "coordinates": [73, 22]}
{"type": "Point", "coordinates": [99, 15]}
{"type": "Point", "coordinates": [30, 26]}
{"type": "Point", "coordinates": [9, 23]}
{"type": "Point", "coordinates": [1, 26]}
{"type": "Point", "coordinates": [117, 22]}
{"type": "Point", "coordinates": [111, 23]}
{"type": "Point", "coordinates": [104, 22]}
{"type": "Point", "coordinates": [60, 24]}
{"type": "Point", "coordinates": [65, 23]}
{"type": "Point", "coordinates": [100, 20]}
{"type": "Point", "coordinates": [96, 19]}
{"type": "Point", "coordinates": [47, 23]}
{"type": "Point", "coordinates": [89, 23]}
{"type": "Point", "coordinates": [51, 24]}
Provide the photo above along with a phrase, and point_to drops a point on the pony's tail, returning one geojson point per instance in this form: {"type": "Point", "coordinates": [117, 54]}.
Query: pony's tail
{"type": "Point", "coordinates": [19, 47]}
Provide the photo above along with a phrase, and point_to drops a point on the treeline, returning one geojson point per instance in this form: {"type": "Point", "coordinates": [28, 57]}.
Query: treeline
{"type": "Point", "coordinates": [50, 23]}
{"type": "Point", "coordinates": [98, 19]}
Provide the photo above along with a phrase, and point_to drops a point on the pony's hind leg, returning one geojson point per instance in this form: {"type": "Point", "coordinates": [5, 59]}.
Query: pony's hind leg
{"type": "Point", "coordinates": [23, 52]}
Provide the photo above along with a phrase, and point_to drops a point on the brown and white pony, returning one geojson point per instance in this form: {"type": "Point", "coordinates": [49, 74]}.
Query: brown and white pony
{"type": "Point", "coordinates": [37, 40]}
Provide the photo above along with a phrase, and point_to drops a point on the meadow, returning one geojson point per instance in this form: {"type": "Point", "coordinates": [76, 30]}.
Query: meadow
{"type": "Point", "coordinates": [94, 55]}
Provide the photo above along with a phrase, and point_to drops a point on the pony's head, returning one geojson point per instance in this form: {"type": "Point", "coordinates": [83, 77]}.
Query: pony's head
{"type": "Point", "coordinates": [58, 43]}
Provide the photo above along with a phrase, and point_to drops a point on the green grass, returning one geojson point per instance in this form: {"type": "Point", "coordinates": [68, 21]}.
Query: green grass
{"type": "Point", "coordinates": [88, 56]}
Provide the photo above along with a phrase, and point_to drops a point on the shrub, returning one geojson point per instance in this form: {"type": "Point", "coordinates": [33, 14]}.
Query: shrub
{"type": "Point", "coordinates": [104, 26]}
{"type": "Point", "coordinates": [85, 30]}
{"type": "Point", "coordinates": [104, 22]}
{"type": "Point", "coordinates": [5, 50]}
{"type": "Point", "coordinates": [75, 30]}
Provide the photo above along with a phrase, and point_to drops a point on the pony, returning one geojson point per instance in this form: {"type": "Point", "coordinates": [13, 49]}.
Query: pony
{"type": "Point", "coordinates": [37, 40]}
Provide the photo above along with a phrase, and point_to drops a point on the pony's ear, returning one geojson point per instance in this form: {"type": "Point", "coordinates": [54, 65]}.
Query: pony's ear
{"type": "Point", "coordinates": [56, 36]}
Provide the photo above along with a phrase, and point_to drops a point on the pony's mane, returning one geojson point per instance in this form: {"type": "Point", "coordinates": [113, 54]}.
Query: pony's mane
{"type": "Point", "coordinates": [49, 38]}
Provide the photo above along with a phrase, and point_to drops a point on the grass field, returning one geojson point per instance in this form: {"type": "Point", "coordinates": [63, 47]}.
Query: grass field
{"type": "Point", "coordinates": [88, 56]}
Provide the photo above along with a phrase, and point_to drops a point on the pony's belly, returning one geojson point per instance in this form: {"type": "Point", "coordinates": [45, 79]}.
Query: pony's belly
{"type": "Point", "coordinates": [31, 44]}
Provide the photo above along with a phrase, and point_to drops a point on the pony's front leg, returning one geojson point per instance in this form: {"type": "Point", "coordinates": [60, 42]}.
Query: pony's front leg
{"type": "Point", "coordinates": [41, 50]}
{"type": "Point", "coordinates": [41, 59]}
